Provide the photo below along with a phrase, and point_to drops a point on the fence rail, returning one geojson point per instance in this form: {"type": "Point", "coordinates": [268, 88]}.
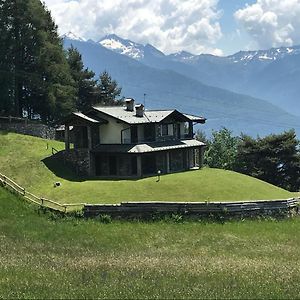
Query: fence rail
{"type": "Point", "coordinates": [15, 187]}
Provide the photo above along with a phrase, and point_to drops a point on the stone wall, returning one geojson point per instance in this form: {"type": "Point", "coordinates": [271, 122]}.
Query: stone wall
{"type": "Point", "coordinates": [78, 159]}
{"type": "Point", "coordinates": [28, 128]}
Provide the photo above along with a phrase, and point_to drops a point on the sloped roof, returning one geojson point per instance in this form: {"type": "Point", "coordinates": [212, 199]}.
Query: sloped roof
{"type": "Point", "coordinates": [80, 118]}
{"type": "Point", "coordinates": [149, 147]}
{"type": "Point", "coordinates": [120, 113]}
{"type": "Point", "coordinates": [84, 117]}
{"type": "Point", "coordinates": [150, 116]}
{"type": "Point", "coordinates": [195, 118]}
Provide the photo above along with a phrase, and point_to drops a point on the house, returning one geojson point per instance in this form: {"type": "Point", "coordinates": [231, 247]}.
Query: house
{"type": "Point", "coordinates": [131, 142]}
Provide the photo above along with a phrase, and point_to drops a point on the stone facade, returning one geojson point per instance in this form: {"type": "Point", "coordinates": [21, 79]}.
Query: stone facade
{"type": "Point", "coordinates": [78, 159]}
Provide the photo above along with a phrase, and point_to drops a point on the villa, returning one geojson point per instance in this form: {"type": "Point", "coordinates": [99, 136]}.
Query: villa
{"type": "Point", "coordinates": [131, 142]}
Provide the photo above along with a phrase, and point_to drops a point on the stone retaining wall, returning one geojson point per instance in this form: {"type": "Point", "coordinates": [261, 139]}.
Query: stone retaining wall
{"type": "Point", "coordinates": [28, 128]}
{"type": "Point", "coordinates": [78, 159]}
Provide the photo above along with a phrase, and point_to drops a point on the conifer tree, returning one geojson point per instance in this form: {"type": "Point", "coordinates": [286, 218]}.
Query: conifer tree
{"type": "Point", "coordinates": [274, 158]}
{"type": "Point", "coordinates": [87, 92]}
{"type": "Point", "coordinates": [109, 90]}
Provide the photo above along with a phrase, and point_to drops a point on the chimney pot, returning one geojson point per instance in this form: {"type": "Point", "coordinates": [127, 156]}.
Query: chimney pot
{"type": "Point", "coordinates": [139, 109]}
{"type": "Point", "coordinates": [129, 104]}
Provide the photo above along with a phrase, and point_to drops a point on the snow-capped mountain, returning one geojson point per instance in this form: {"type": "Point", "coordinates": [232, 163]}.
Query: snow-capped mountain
{"type": "Point", "coordinates": [271, 74]}
{"type": "Point", "coordinates": [139, 52]}
{"type": "Point", "coordinates": [243, 57]}
{"type": "Point", "coordinates": [182, 56]}
{"type": "Point", "coordinates": [123, 46]}
{"type": "Point", "coordinates": [72, 36]}
{"type": "Point", "coordinates": [264, 55]}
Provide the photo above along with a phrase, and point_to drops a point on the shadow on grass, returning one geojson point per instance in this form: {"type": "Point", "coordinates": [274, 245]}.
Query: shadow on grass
{"type": "Point", "coordinates": [3, 132]}
{"type": "Point", "coordinates": [62, 170]}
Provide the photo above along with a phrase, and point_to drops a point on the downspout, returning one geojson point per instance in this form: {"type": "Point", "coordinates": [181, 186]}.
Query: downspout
{"type": "Point", "coordinates": [122, 134]}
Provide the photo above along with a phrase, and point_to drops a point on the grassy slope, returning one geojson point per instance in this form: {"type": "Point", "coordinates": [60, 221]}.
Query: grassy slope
{"type": "Point", "coordinates": [21, 159]}
{"type": "Point", "coordinates": [43, 258]}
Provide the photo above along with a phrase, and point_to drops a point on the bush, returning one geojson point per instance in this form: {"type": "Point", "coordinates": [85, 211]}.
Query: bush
{"type": "Point", "coordinates": [106, 219]}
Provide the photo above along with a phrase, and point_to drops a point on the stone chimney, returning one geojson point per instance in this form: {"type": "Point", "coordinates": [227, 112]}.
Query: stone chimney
{"type": "Point", "coordinates": [139, 109]}
{"type": "Point", "coordinates": [129, 104]}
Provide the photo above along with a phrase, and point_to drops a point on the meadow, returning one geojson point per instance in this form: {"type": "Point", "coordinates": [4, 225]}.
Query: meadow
{"type": "Point", "coordinates": [43, 256]}
{"type": "Point", "coordinates": [28, 161]}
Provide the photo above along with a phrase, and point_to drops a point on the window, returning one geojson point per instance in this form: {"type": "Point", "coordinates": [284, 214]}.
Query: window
{"type": "Point", "coordinates": [166, 129]}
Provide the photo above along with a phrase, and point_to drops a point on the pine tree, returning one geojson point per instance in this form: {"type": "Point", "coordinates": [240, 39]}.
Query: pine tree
{"type": "Point", "coordinates": [33, 60]}
{"type": "Point", "coordinates": [86, 86]}
{"type": "Point", "coordinates": [109, 90]}
{"type": "Point", "coordinates": [275, 159]}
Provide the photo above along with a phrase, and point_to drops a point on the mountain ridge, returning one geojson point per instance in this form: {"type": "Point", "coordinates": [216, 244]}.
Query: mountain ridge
{"type": "Point", "coordinates": [166, 88]}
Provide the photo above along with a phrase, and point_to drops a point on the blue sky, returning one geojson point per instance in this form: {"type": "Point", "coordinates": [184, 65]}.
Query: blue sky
{"type": "Point", "coordinates": [231, 41]}
{"type": "Point", "coordinates": [220, 27]}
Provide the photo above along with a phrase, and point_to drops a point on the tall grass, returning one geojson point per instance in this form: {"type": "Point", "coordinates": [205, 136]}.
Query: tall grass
{"type": "Point", "coordinates": [45, 257]}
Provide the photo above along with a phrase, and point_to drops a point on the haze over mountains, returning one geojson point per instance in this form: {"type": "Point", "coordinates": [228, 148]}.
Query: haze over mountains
{"type": "Point", "coordinates": [208, 85]}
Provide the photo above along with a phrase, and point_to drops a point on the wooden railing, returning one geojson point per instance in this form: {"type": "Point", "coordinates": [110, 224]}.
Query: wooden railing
{"type": "Point", "coordinates": [15, 187]}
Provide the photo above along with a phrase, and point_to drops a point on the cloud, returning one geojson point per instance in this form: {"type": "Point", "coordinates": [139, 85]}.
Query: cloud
{"type": "Point", "coordinates": [169, 25]}
{"type": "Point", "coordinates": [271, 23]}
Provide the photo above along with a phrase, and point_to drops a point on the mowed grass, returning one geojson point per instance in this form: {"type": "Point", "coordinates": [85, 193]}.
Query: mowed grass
{"type": "Point", "coordinates": [27, 160]}
{"type": "Point", "coordinates": [67, 258]}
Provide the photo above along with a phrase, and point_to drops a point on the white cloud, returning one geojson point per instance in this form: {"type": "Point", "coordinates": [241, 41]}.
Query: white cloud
{"type": "Point", "coordinates": [272, 23]}
{"type": "Point", "coordinates": [170, 25]}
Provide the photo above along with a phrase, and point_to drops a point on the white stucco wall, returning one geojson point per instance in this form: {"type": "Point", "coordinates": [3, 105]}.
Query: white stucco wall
{"type": "Point", "coordinates": [111, 133]}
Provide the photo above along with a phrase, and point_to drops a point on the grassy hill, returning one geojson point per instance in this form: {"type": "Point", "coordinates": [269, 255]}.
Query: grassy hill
{"type": "Point", "coordinates": [27, 160]}
{"type": "Point", "coordinates": [42, 257]}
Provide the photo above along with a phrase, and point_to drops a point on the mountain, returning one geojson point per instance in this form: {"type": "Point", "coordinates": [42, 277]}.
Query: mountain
{"type": "Point", "coordinates": [70, 35]}
{"type": "Point", "coordinates": [267, 74]}
{"type": "Point", "coordinates": [129, 48]}
{"type": "Point", "coordinates": [165, 88]}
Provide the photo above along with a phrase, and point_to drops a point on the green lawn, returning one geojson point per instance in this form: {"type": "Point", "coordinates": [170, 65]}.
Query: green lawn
{"type": "Point", "coordinates": [26, 160]}
{"type": "Point", "coordinates": [46, 258]}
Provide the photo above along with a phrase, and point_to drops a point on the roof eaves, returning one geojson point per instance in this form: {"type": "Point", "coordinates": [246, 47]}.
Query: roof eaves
{"type": "Point", "coordinates": [109, 115]}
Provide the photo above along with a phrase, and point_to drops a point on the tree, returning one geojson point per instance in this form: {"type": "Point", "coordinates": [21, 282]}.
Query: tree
{"type": "Point", "coordinates": [109, 90]}
{"type": "Point", "coordinates": [221, 150]}
{"type": "Point", "coordinates": [34, 74]}
{"type": "Point", "coordinates": [275, 159]}
{"type": "Point", "coordinates": [87, 93]}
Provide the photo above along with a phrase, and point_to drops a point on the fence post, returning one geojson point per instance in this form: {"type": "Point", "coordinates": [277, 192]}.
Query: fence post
{"type": "Point", "coordinates": [42, 200]}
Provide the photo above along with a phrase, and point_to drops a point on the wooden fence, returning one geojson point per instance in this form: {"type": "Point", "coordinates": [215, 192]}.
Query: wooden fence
{"type": "Point", "coordinates": [150, 209]}
{"type": "Point", "coordinates": [199, 209]}
{"type": "Point", "coordinates": [13, 186]}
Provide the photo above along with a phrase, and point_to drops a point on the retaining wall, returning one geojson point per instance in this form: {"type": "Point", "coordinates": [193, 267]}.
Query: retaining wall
{"type": "Point", "coordinates": [198, 209]}
{"type": "Point", "coordinates": [23, 126]}
{"type": "Point", "coordinates": [78, 159]}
